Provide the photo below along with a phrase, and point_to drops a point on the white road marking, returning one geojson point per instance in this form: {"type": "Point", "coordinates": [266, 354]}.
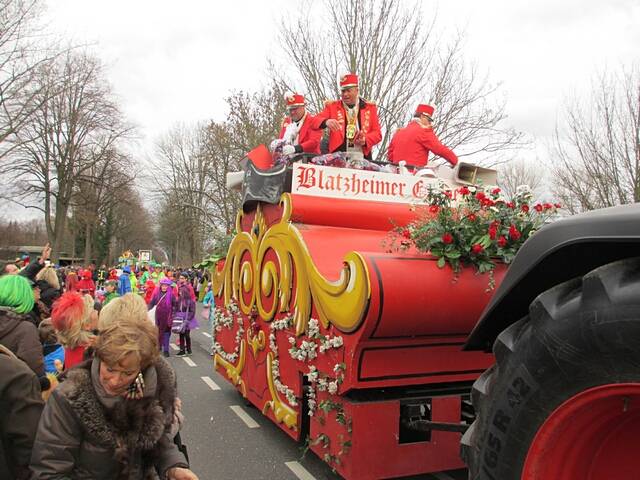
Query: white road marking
{"type": "Point", "coordinates": [299, 471]}
{"type": "Point", "coordinates": [206, 334]}
{"type": "Point", "coordinates": [189, 362]}
{"type": "Point", "coordinates": [442, 476]}
{"type": "Point", "coordinates": [244, 416]}
{"type": "Point", "coordinates": [174, 347]}
{"type": "Point", "coordinates": [212, 385]}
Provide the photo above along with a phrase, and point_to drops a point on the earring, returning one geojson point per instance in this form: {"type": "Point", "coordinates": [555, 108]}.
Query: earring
{"type": "Point", "coordinates": [136, 389]}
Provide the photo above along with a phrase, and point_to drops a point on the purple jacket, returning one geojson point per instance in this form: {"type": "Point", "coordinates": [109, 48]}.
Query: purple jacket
{"type": "Point", "coordinates": [185, 303]}
{"type": "Point", "coordinates": [164, 309]}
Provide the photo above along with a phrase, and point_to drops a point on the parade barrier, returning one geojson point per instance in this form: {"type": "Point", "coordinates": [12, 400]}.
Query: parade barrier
{"type": "Point", "coordinates": [345, 344]}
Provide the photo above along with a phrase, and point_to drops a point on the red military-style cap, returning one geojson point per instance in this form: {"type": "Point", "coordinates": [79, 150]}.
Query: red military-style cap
{"type": "Point", "coordinates": [349, 80]}
{"type": "Point", "coordinates": [425, 109]}
{"type": "Point", "coordinates": [294, 100]}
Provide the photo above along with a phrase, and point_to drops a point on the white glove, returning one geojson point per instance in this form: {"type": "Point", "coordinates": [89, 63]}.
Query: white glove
{"type": "Point", "coordinates": [288, 150]}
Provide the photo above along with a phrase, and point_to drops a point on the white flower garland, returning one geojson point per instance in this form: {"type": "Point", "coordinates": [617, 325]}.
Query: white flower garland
{"type": "Point", "coordinates": [220, 320]}
{"type": "Point", "coordinates": [278, 325]}
{"type": "Point", "coordinates": [306, 351]}
{"type": "Point", "coordinates": [322, 383]}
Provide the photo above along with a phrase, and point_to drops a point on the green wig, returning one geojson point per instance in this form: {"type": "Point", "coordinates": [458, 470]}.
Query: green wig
{"type": "Point", "coordinates": [16, 293]}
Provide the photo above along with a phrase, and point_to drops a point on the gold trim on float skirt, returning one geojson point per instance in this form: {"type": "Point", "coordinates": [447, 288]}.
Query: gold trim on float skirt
{"type": "Point", "coordinates": [248, 276]}
{"type": "Point", "coordinates": [256, 343]}
{"type": "Point", "coordinates": [234, 371]}
{"type": "Point", "coordinates": [282, 412]}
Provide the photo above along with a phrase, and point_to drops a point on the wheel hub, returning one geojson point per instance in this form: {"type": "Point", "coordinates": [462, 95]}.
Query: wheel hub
{"type": "Point", "coordinates": [592, 435]}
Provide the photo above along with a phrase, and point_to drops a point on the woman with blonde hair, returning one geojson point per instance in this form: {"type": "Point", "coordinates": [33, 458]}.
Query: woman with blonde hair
{"type": "Point", "coordinates": [48, 274]}
{"type": "Point", "coordinates": [112, 418]}
{"type": "Point", "coordinates": [75, 320]}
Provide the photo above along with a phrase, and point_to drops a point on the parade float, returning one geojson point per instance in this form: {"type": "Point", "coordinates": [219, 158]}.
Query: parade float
{"type": "Point", "coordinates": [364, 323]}
{"type": "Point", "coordinates": [347, 343]}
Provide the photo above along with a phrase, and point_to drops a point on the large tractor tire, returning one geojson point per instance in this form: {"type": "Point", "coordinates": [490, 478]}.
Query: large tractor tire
{"type": "Point", "coordinates": [562, 401]}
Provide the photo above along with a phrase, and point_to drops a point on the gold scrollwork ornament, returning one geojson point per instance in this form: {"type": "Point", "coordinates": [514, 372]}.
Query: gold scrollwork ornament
{"type": "Point", "coordinates": [250, 273]}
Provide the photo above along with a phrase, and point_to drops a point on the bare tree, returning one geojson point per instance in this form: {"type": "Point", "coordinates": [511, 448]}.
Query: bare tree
{"type": "Point", "coordinates": [596, 151]}
{"type": "Point", "coordinates": [519, 172]}
{"type": "Point", "coordinates": [181, 175]}
{"type": "Point", "coordinates": [97, 192]}
{"type": "Point", "coordinates": [76, 123]}
{"type": "Point", "coordinates": [221, 152]}
{"type": "Point", "coordinates": [132, 227]}
{"type": "Point", "coordinates": [400, 63]}
{"type": "Point", "coordinates": [22, 54]}
{"type": "Point", "coordinates": [190, 168]}
{"type": "Point", "coordinates": [254, 119]}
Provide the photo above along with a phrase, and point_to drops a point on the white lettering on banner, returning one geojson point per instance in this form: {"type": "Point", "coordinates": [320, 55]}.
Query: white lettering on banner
{"type": "Point", "coordinates": [332, 182]}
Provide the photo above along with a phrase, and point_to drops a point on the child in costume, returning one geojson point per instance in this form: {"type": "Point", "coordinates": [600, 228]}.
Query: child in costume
{"type": "Point", "coordinates": [52, 350]}
{"type": "Point", "coordinates": [86, 283]}
{"type": "Point", "coordinates": [110, 291]}
{"type": "Point", "coordinates": [75, 320]}
{"type": "Point", "coordinates": [150, 288]}
{"type": "Point", "coordinates": [125, 281]}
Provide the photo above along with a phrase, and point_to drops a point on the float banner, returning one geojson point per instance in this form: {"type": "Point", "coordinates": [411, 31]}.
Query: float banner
{"type": "Point", "coordinates": [332, 182]}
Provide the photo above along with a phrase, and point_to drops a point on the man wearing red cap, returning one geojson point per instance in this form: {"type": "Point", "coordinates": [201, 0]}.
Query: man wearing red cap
{"type": "Point", "coordinates": [414, 142]}
{"type": "Point", "coordinates": [296, 128]}
{"type": "Point", "coordinates": [353, 122]}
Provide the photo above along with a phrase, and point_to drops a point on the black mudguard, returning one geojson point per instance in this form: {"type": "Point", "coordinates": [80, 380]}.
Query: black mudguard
{"type": "Point", "coordinates": [563, 250]}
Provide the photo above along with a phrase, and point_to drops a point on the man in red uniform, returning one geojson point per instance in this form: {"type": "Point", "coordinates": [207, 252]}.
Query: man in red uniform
{"type": "Point", "coordinates": [296, 128]}
{"type": "Point", "coordinates": [353, 122]}
{"type": "Point", "coordinates": [414, 142]}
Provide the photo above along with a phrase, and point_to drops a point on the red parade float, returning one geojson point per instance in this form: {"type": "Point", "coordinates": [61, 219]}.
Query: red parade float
{"type": "Point", "coordinates": [342, 343]}
{"type": "Point", "coordinates": [378, 359]}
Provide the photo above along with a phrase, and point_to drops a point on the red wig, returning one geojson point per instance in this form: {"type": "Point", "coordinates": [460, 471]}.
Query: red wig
{"type": "Point", "coordinates": [71, 282]}
{"type": "Point", "coordinates": [67, 310]}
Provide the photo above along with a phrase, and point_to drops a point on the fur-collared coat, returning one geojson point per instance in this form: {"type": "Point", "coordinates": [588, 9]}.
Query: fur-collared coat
{"type": "Point", "coordinates": [79, 438]}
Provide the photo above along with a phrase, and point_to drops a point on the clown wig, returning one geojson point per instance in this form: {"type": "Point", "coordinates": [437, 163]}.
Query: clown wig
{"type": "Point", "coordinates": [16, 293]}
{"type": "Point", "coordinates": [48, 274]}
{"type": "Point", "coordinates": [71, 317]}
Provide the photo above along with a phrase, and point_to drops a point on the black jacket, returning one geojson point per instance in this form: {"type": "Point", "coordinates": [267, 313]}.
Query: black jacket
{"type": "Point", "coordinates": [20, 409]}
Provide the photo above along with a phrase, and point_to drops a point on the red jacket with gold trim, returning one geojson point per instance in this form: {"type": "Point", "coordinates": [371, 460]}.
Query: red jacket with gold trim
{"type": "Point", "coordinates": [413, 144]}
{"type": "Point", "coordinates": [308, 138]}
{"type": "Point", "coordinates": [368, 123]}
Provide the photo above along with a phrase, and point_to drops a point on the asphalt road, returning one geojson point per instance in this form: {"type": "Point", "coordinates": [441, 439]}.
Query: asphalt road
{"type": "Point", "coordinates": [230, 440]}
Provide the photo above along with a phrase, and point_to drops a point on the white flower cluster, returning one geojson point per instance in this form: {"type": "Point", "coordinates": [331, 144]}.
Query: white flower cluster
{"type": "Point", "coordinates": [233, 308]}
{"type": "Point", "coordinates": [281, 387]}
{"type": "Point", "coordinates": [524, 191]}
{"type": "Point", "coordinates": [229, 357]}
{"type": "Point", "coordinates": [220, 319]}
{"type": "Point", "coordinates": [275, 326]}
{"type": "Point", "coordinates": [313, 374]}
{"type": "Point", "coordinates": [305, 352]}
{"type": "Point", "coordinates": [278, 325]}
{"type": "Point", "coordinates": [314, 328]}
{"type": "Point", "coordinates": [331, 342]}
{"type": "Point", "coordinates": [312, 400]}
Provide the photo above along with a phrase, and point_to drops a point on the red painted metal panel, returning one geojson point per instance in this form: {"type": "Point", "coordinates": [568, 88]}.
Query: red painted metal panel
{"type": "Point", "coordinates": [441, 361]}
{"type": "Point", "coordinates": [343, 213]}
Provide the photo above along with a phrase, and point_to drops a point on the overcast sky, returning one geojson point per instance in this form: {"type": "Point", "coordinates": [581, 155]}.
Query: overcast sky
{"type": "Point", "coordinates": [174, 62]}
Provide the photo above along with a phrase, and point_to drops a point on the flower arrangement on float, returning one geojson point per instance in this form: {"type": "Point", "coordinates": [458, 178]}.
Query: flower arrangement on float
{"type": "Point", "coordinates": [474, 226]}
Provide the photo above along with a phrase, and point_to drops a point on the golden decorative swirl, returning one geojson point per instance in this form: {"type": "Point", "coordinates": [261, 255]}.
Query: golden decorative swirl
{"type": "Point", "coordinates": [256, 343]}
{"type": "Point", "coordinates": [234, 371]}
{"type": "Point", "coordinates": [282, 412]}
{"type": "Point", "coordinates": [248, 273]}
